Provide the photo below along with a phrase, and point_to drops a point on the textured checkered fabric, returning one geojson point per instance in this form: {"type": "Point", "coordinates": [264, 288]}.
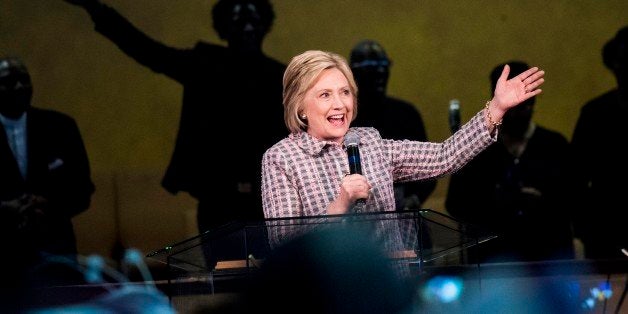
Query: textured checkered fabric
{"type": "Point", "coordinates": [301, 175]}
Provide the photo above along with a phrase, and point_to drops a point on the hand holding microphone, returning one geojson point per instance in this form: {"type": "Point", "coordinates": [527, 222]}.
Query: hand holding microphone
{"type": "Point", "coordinates": [356, 189]}
{"type": "Point", "coordinates": [353, 189]}
{"type": "Point", "coordinates": [355, 184]}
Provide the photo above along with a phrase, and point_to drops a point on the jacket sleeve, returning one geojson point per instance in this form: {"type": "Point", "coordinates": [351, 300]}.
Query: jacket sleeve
{"type": "Point", "coordinates": [160, 58]}
{"type": "Point", "coordinates": [68, 187]}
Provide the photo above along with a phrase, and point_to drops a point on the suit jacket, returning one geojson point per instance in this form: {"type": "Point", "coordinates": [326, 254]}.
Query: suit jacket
{"type": "Point", "coordinates": [488, 192]}
{"type": "Point", "coordinates": [398, 120]}
{"type": "Point", "coordinates": [600, 174]}
{"type": "Point", "coordinates": [58, 170]}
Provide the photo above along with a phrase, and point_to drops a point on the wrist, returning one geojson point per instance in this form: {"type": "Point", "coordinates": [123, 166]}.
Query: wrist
{"type": "Point", "coordinates": [338, 207]}
{"type": "Point", "coordinates": [493, 115]}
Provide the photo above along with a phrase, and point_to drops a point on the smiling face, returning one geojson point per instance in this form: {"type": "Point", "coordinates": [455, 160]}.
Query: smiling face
{"type": "Point", "coordinates": [328, 106]}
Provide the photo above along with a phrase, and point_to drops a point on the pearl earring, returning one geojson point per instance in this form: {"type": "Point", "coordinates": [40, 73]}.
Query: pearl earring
{"type": "Point", "coordinates": [303, 117]}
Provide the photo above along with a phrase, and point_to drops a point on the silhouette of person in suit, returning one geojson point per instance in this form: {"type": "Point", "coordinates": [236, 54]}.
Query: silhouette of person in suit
{"type": "Point", "coordinates": [518, 188]}
{"type": "Point", "coordinates": [236, 85]}
{"type": "Point", "coordinates": [600, 166]}
{"type": "Point", "coordinates": [394, 118]}
{"type": "Point", "coordinates": [44, 180]}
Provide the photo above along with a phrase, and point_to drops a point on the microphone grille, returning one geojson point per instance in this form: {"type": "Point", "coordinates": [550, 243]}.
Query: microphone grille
{"type": "Point", "coordinates": [351, 139]}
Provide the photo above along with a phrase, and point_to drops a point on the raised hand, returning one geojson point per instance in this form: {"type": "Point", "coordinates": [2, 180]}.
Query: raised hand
{"type": "Point", "coordinates": [509, 93]}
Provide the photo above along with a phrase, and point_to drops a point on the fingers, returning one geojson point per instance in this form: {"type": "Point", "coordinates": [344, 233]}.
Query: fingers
{"type": "Point", "coordinates": [529, 95]}
{"type": "Point", "coordinates": [527, 73]}
{"type": "Point", "coordinates": [356, 181]}
{"type": "Point", "coordinates": [533, 77]}
{"type": "Point", "coordinates": [356, 186]}
{"type": "Point", "coordinates": [536, 92]}
{"type": "Point", "coordinates": [533, 86]}
{"type": "Point", "coordinates": [530, 79]}
{"type": "Point", "coordinates": [504, 76]}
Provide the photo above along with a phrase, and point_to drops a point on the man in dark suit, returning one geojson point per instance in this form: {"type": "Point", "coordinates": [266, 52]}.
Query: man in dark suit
{"type": "Point", "coordinates": [236, 85]}
{"type": "Point", "coordinates": [518, 188]}
{"type": "Point", "coordinates": [44, 177]}
{"type": "Point", "coordinates": [600, 162]}
{"type": "Point", "coordinates": [392, 117]}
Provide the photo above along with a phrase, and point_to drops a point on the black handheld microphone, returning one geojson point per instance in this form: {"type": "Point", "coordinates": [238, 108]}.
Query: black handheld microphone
{"type": "Point", "coordinates": [355, 166]}
{"type": "Point", "coordinates": [454, 115]}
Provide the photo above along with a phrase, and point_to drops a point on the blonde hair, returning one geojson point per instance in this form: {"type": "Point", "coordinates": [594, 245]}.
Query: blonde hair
{"type": "Point", "coordinates": [300, 75]}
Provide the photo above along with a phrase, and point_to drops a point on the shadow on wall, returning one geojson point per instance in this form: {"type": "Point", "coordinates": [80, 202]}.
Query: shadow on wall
{"type": "Point", "coordinates": [133, 210]}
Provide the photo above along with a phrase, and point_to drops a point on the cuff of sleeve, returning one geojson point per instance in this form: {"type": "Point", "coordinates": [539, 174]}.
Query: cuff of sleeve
{"type": "Point", "coordinates": [478, 122]}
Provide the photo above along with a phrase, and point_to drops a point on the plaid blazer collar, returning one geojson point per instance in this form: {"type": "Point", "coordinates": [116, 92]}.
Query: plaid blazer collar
{"type": "Point", "coordinates": [310, 145]}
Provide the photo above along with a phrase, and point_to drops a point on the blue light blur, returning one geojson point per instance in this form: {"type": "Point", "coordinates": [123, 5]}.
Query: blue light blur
{"type": "Point", "coordinates": [443, 289]}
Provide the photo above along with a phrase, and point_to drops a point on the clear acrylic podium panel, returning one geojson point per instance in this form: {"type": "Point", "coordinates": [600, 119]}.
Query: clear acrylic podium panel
{"type": "Point", "coordinates": [417, 237]}
{"type": "Point", "coordinates": [435, 245]}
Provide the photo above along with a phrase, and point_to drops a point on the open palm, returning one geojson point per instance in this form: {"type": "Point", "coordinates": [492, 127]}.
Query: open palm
{"type": "Point", "coordinates": [509, 93]}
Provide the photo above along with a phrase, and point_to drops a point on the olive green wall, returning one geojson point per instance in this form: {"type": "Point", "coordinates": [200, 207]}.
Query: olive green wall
{"type": "Point", "coordinates": [441, 50]}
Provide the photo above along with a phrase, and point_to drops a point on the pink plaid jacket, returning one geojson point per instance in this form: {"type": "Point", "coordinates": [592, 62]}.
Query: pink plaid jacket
{"type": "Point", "coordinates": [301, 175]}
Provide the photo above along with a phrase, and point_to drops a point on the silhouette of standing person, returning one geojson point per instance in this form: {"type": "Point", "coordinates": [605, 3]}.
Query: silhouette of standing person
{"type": "Point", "coordinates": [44, 182]}
{"type": "Point", "coordinates": [394, 118]}
{"type": "Point", "coordinates": [237, 84]}
{"type": "Point", "coordinates": [518, 188]}
{"type": "Point", "coordinates": [601, 169]}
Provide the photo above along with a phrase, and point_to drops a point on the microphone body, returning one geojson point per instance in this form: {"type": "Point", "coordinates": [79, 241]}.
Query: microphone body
{"type": "Point", "coordinates": [454, 115]}
{"type": "Point", "coordinates": [355, 165]}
